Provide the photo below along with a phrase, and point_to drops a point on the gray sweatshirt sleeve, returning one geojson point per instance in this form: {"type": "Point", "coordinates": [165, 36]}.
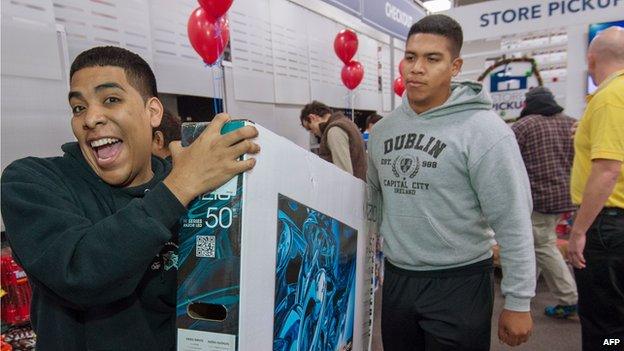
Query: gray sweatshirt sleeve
{"type": "Point", "coordinates": [502, 186]}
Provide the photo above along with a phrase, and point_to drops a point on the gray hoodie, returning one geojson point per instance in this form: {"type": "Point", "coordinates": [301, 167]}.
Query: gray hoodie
{"type": "Point", "coordinates": [447, 180]}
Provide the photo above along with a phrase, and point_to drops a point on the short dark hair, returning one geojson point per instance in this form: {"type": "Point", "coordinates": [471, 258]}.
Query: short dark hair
{"type": "Point", "coordinates": [441, 25]}
{"type": "Point", "coordinates": [372, 119]}
{"type": "Point", "coordinates": [315, 107]}
{"type": "Point", "coordinates": [170, 126]}
{"type": "Point", "coordinates": [138, 72]}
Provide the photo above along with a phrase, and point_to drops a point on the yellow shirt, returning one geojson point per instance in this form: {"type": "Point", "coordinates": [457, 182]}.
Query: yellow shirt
{"type": "Point", "coordinates": [600, 135]}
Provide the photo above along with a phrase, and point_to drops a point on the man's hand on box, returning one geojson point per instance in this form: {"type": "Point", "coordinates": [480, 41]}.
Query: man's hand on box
{"type": "Point", "coordinates": [211, 160]}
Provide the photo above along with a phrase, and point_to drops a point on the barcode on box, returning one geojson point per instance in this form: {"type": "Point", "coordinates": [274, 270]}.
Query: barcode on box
{"type": "Point", "coordinates": [205, 246]}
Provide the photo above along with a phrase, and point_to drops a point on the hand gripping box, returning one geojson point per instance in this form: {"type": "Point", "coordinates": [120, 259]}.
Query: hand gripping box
{"type": "Point", "coordinates": [276, 258]}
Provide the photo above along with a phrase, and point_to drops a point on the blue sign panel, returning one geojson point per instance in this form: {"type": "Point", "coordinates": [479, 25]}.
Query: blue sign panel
{"type": "Point", "coordinates": [351, 6]}
{"type": "Point", "coordinates": [391, 16]}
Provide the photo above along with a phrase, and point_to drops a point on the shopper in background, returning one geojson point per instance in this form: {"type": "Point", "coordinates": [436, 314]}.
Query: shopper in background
{"type": "Point", "coordinates": [371, 120]}
{"type": "Point", "coordinates": [341, 140]}
{"type": "Point", "coordinates": [169, 130]}
{"type": "Point", "coordinates": [543, 134]}
{"type": "Point", "coordinates": [93, 228]}
{"type": "Point", "coordinates": [445, 168]}
{"type": "Point", "coordinates": [596, 247]}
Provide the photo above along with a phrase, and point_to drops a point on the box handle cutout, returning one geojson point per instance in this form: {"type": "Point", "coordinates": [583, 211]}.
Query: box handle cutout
{"type": "Point", "coordinates": [207, 311]}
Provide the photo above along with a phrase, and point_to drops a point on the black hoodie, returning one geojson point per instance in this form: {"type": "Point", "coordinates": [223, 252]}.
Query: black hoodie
{"type": "Point", "coordinates": [101, 259]}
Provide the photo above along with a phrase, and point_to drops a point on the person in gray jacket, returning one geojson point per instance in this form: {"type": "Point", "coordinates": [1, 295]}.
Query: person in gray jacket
{"type": "Point", "coordinates": [446, 173]}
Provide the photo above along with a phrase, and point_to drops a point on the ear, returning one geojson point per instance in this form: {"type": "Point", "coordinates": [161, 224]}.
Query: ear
{"type": "Point", "coordinates": [155, 110]}
{"type": "Point", "coordinates": [456, 66]}
{"type": "Point", "coordinates": [159, 140]}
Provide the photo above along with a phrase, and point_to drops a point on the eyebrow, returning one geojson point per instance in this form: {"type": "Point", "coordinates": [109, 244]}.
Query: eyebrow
{"type": "Point", "coordinates": [74, 94]}
{"type": "Point", "coordinates": [425, 54]}
{"type": "Point", "coordinates": [108, 85]}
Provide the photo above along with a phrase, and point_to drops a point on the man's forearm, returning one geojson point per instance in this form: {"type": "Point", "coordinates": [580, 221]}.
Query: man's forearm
{"type": "Point", "coordinates": [599, 186]}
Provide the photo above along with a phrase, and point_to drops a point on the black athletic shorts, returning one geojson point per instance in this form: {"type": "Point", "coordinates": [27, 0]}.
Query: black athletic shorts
{"type": "Point", "coordinates": [447, 309]}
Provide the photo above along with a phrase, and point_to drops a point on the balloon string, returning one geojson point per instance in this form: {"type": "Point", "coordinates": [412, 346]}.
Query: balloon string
{"type": "Point", "coordinates": [346, 103]}
{"type": "Point", "coordinates": [214, 98]}
{"type": "Point", "coordinates": [351, 104]}
{"type": "Point", "coordinates": [217, 86]}
{"type": "Point", "coordinates": [217, 81]}
{"type": "Point", "coordinates": [217, 77]}
{"type": "Point", "coordinates": [214, 90]}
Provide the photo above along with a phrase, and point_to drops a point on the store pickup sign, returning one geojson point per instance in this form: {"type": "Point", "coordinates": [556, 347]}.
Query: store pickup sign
{"type": "Point", "coordinates": [506, 17]}
{"type": "Point", "coordinates": [550, 9]}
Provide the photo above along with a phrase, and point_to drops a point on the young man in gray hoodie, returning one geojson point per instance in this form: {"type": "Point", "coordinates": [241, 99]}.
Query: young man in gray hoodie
{"type": "Point", "coordinates": [445, 171]}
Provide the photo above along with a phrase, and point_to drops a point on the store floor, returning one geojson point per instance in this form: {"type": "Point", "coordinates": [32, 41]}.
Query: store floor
{"type": "Point", "coordinates": [548, 334]}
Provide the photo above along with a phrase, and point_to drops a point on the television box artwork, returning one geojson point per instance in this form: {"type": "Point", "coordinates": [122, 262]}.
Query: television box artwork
{"type": "Point", "coordinates": [315, 280]}
{"type": "Point", "coordinates": [275, 259]}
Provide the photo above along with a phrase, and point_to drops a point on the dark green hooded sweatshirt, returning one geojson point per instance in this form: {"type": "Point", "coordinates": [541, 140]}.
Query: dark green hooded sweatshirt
{"type": "Point", "coordinates": [101, 260]}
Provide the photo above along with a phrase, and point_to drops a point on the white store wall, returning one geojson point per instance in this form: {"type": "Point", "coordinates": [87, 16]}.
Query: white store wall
{"type": "Point", "coordinates": [577, 69]}
{"type": "Point", "coordinates": [40, 39]}
{"type": "Point", "coordinates": [295, 36]}
{"type": "Point", "coordinates": [34, 110]}
{"type": "Point", "coordinates": [35, 116]}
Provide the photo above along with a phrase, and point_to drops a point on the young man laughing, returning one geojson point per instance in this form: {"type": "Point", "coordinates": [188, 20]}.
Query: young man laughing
{"type": "Point", "coordinates": [93, 228]}
{"type": "Point", "coordinates": [445, 170]}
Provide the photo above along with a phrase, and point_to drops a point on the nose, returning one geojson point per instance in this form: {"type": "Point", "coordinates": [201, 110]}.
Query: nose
{"type": "Point", "coordinates": [418, 66]}
{"type": "Point", "coordinates": [93, 117]}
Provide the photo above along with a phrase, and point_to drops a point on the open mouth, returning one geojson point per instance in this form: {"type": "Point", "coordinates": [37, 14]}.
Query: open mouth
{"type": "Point", "coordinates": [106, 150]}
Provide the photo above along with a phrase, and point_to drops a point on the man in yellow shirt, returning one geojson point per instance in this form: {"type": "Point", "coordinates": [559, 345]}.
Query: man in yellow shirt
{"type": "Point", "coordinates": [596, 248]}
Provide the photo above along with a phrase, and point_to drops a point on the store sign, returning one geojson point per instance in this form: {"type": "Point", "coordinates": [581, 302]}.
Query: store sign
{"type": "Point", "coordinates": [551, 9]}
{"type": "Point", "coordinates": [392, 16]}
{"type": "Point", "coordinates": [501, 17]}
{"type": "Point", "coordinates": [351, 6]}
{"type": "Point", "coordinates": [507, 84]}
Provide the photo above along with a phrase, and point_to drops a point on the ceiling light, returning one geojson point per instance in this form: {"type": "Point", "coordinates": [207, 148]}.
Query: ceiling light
{"type": "Point", "coordinates": [437, 5]}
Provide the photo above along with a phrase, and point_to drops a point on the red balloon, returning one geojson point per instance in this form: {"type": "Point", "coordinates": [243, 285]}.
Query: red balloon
{"type": "Point", "coordinates": [352, 74]}
{"type": "Point", "coordinates": [345, 45]}
{"type": "Point", "coordinates": [215, 8]}
{"type": "Point", "coordinates": [399, 86]}
{"type": "Point", "coordinates": [208, 37]}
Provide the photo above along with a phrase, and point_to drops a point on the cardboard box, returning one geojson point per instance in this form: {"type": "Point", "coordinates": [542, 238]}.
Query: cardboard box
{"type": "Point", "coordinates": [276, 259]}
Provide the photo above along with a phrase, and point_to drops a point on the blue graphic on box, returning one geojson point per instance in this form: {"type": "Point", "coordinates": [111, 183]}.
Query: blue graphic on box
{"type": "Point", "coordinates": [315, 280]}
{"type": "Point", "coordinates": [209, 251]}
